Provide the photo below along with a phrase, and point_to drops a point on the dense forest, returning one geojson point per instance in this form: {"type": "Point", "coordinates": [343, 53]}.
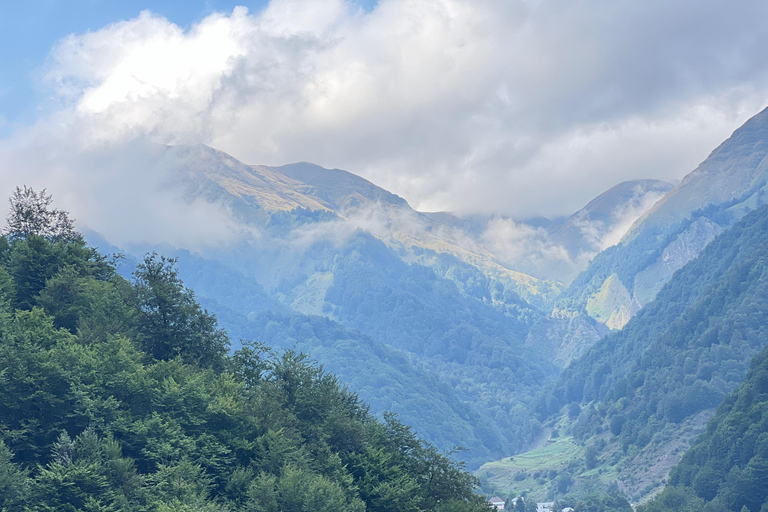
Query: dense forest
{"type": "Point", "coordinates": [623, 414]}
{"type": "Point", "coordinates": [121, 395]}
{"type": "Point", "coordinates": [726, 469]}
{"type": "Point", "coordinates": [459, 338]}
{"type": "Point", "coordinates": [683, 352]}
{"type": "Point", "coordinates": [451, 362]}
{"type": "Point", "coordinates": [386, 379]}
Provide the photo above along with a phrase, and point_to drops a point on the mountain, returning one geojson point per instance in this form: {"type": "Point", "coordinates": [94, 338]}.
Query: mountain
{"type": "Point", "coordinates": [558, 249]}
{"type": "Point", "coordinates": [731, 182]}
{"type": "Point", "coordinates": [303, 202]}
{"type": "Point", "coordinates": [625, 411]}
{"type": "Point", "coordinates": [327, 243]}
{"type": "Point", "coordinates": [329, 260]}
{"type": "Point", "coordinates": [601, 224]}
{"type": "Point", "coordinates": [383, 376]}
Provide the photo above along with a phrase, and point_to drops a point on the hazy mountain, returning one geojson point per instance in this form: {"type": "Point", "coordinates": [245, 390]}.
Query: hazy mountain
{"type": "Point", "coordinates": [602, 223]}
{"type": "Point", "coordinates": [413, 314]}
{"type": "Point", "coordinates": [731, 182]}
{"type": "Point", "coordinates": [558, 249]}
{"type": "Point", "coordinates": [383, 376]}
{"type": "Point", "coordinates": [431, 291]}
{"type": "Point", "coordinates": [303, 203]}
{"type": "Point", "coordinates": [630, 405]}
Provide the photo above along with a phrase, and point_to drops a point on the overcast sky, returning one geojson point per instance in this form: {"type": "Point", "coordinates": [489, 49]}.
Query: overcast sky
{"type": "Point", "coordinates": [516, 107]}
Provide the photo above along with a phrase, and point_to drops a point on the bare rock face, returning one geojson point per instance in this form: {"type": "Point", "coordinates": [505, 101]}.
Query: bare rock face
{"type": "Point", "coordinates": [683, 248]}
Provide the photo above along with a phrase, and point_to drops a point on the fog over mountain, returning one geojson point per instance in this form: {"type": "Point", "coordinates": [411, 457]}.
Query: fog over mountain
{"type": "Point", "coordinates": [716, 194]}
{"type": "Point", "coordinates": [515, 109]}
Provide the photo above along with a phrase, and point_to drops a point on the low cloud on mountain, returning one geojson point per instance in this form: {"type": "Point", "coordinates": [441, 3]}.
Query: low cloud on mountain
{"type": "Point", "coordinates": [489, 106]}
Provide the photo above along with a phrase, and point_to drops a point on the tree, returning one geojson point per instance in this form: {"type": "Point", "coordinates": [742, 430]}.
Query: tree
{"type": "Point", "coordinates": [31, 214]}
{"type": "Point", "coordinates": [170, 322]}
{"type": "Point", "coordinates": [14, 482]}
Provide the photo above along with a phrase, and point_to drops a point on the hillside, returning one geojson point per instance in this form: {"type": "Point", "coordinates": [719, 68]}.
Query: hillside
{"type": "Point", "coordinates": [419, 296]}
{"type": "Point", "coordinates": [120, 395]}
{"type": "Point", "coordinates": [636, 398]}
{"type": "Point", "coordinates": [383, 376]}
{"type": "Point", "coordinates": [330, 244]}
{"type": "Point", "coordinates": [601, 224]}
{"type": "Point", "coordinates": [731, 182]}
{"type": "Point", "coordinates": [725, 468]}
{"type": "Point", "coordinates": [302, 203]}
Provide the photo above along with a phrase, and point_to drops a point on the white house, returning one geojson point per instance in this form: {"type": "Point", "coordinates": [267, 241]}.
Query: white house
{"type": "Point", "coordinates": [547, 506]}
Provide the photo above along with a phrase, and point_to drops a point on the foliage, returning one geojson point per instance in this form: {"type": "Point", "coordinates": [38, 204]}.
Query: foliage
{"type": "Point", "coordinates": [683, 352]}
{"type": "Point", "coordinates": [120, 396]}
{"type": "Point", "coordinates": [448, 361]}
{"type": "Point", "coordinates": [727, 466]}
{"type": "Point", "coordinates": [643, 392]}
{"type": "Point", "coordinates": [461, 339]}
{"type": "Point", "coordinates": [30, 214]}
{"type": "Point", "coordinates": [171, 323]}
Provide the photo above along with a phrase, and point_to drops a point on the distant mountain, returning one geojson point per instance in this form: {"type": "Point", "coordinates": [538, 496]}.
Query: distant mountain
{"type": "Point", "coordinates": [602, 223]}
{"type": "Point", "coordinates": [558, 249]}
{"type": "Point", "coordinates": [428, 290]}
{"type": "Point", "coordinates": [414, 314]}
{"type": "Point", "coordinates": [732, 181]}
{"type": "Point", "coordinates": [308, 202]}
{"type": "Point", "coordinates": [383, 376]}
{"type": "Point", "coordinates": [633, 402]}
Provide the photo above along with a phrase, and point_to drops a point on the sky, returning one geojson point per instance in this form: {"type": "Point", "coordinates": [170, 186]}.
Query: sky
{"type": "Point", "coordinates": [510, 107]}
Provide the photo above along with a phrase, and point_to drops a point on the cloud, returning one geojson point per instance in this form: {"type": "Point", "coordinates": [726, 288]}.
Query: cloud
{"type": "Point", "coordinates": [124, 191]}
{"type": "Point", "coordinates": [494, 106]}
{"type": "Point", "coordinates": [562, 250]}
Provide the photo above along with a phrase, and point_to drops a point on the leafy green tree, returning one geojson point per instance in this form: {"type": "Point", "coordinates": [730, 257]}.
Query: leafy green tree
{"type": "Point", "coordinates": [14, 482]}
{"type": "Point", "coordinates": [170, 322]}
{"type": "Point", "coordinates": [164, 421]}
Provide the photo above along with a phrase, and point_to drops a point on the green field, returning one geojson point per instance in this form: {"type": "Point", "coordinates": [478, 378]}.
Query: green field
{"type": "Point", "coordinates": [531, 472]}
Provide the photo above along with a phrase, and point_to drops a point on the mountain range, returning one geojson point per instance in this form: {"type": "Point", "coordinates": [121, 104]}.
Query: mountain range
{"type": "Point", "coordinates": [609, 335]}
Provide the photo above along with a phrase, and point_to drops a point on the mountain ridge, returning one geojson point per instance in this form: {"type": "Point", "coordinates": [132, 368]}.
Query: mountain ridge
{"type": "Point", "coordinates": [731, 182]}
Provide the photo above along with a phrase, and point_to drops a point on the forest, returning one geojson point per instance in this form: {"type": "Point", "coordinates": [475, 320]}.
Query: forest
{"type": "Point", "coordinates": [122, 395]}
{"type": "Point", "coordinates": [727, 467]}
{"type": "Point", "coordinates": [683, 352]}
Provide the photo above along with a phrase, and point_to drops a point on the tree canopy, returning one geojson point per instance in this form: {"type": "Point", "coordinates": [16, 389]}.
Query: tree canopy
{"type": "Point", "coordinates": [120, 395]}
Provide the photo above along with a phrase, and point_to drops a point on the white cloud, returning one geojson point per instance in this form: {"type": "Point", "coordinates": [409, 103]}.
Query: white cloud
{"type": "Point", "coordinates": [511, 107]}
{"type": "Point", "coordinates": [122, 191]}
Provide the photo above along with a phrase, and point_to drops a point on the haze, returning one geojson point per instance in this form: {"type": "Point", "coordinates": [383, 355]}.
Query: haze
{"type": "Point", "coordinates": [516, 108]}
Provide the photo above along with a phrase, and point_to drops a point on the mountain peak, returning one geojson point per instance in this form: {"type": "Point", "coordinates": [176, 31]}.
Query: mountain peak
{"type": "Point", "coordinates": [736, 170]}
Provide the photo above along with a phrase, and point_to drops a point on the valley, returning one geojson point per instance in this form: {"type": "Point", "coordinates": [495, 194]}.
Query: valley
{"type": "Point", "coordinates": [575, 384]}
{"type": "Point", "coordinates": [383, 256]}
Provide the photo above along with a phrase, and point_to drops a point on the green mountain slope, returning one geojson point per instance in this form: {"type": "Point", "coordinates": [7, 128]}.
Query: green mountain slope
{"type": "Point", "coordinates": [332, 244]}
{"type": "Point", "coordinates": [445, 361]}
{"type": "Point", "coordinates": [726, 468]}
{"type": "Point", "coordinates": [381, 375]}
{"type": "Point", "coordinates": [638, 395]}
{"type": "Point", "coordinates": [305, 201]}
{"type": "Point", "coordinates": [120, 395]}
